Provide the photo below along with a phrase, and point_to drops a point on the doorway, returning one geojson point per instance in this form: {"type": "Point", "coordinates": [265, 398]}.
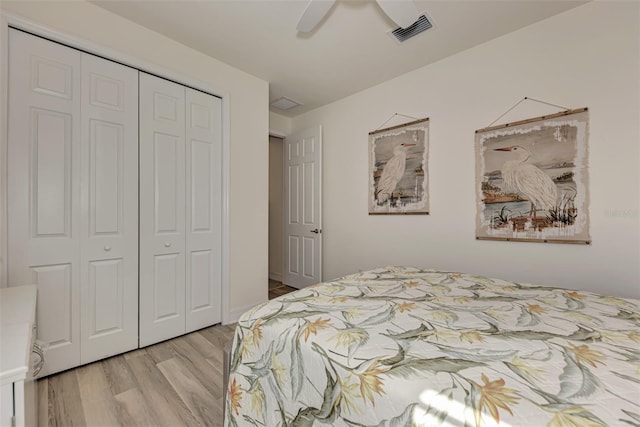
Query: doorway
{"type": "Point", "coordinates": [295, 192]}
{"type": "Point", "coordinates": [276, 220]}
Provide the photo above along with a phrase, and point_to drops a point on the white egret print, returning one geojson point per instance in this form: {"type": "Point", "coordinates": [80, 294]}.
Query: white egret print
{"type": "Point", "coordinates": [532, 180]}
{"type": "Point", "coordinates": [528, 180]}
{"type": "Point", "coordinates": [392, 173]}
{"type": "Point", "coordinates": [398, 180]}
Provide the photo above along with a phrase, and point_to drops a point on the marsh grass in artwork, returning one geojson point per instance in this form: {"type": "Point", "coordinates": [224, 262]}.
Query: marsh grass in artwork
{"type": "Point", "coordinates": [532, 180]}
{"type": "Point", "coordinates": [398, 174]}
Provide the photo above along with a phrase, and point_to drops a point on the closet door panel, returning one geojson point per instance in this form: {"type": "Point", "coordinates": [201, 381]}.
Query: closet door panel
{"type": "Point", "coordinates": [162, 209]}
{"type": "Point", "coordinates": [43, 187]}
{"type": "Point", "coordinates": [109, 191]}
{"type": "Point", "coordinates": [106, 168]}
{"type": "Point", "coordinates": [168, 179]}
{"type": "Point", "coordinates": [204, 209]}
{"type": "Point", "coordinates": [55, 289]}
{"type": "Point", "coordinates": [50, 180]}
{"type": "Point", "coordinates": [167, 270]}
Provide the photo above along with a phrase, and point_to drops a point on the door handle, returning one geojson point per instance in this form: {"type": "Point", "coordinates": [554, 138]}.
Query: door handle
{"type": "Point", "coordinates": [316, 231]}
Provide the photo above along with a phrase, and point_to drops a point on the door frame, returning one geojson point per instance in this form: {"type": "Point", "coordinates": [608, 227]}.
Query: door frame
{"type": "Point", "coordinates": [10, 20]}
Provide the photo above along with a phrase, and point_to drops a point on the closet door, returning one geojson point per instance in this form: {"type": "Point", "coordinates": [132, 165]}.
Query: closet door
{"type": "Point", "coordinates": [162, 209]}
{"type": "Point", "coordinates": [44, 187]}
{"type": "Point", "coordinates": [109, 193]}
{"type": "Point", "coordinates": [204, 209]}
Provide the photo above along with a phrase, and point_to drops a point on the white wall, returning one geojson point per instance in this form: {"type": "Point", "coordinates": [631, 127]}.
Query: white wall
{"type": "Point", "coordinates": [279, 125]}
{"type": "Point", "coordinates": [248, 103]}
{"type": "Point", "coordinates": [586, 57]}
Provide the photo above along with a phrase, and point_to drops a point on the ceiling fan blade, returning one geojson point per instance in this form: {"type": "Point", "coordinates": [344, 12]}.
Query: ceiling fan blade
{"type": "Point", "coordinates": [402, 12]}
{"type": "Point", "coordinates": [313, 14]}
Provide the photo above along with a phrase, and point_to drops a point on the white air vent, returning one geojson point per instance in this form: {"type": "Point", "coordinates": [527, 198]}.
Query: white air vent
{"type": "Point", "coordinates": [284, 103]}
{"type": "Point", "coordinates": [403, 34]}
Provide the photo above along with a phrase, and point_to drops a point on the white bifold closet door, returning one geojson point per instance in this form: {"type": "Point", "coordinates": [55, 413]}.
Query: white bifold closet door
{"type": "Point", "coordinates": [72, 197]}
{"type": "Point", "coordinates": [180, 209]}
{"type": "Point", "coordinates": [109, 198]}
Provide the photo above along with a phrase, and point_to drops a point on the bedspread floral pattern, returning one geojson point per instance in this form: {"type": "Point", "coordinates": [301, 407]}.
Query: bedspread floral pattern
{"type": "Point", "coordinates": [400, 346]}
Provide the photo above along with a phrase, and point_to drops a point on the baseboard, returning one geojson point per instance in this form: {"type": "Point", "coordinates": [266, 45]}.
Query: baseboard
{"type": "Point", "coordinates": [275, 276]}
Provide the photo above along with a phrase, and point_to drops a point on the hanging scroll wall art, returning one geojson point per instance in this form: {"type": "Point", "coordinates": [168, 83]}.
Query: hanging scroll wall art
{"type": "Point", "coordinates": [532, 180]}
{"type": "Point", "coordinates": [398, 178]}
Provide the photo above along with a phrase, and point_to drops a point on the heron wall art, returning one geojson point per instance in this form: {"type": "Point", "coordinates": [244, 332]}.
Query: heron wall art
{"type": "Point", "coordinates": [532, 180]}
{"type": "Point", "coordinates": [398, 180]}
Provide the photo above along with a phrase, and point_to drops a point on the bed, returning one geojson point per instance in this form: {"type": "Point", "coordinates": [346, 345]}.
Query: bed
{"type": "Point", "coordinates": [399, 346]}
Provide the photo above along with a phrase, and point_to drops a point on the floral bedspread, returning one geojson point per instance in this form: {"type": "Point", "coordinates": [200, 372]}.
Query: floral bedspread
{"type": "Point", "coordinates": [400, 346]}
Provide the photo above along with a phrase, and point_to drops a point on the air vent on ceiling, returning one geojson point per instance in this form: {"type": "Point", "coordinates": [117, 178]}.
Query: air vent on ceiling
{"type": "Point", "coordinates": [403, 34]}
{"type": "Point", "coordinates": [285, 103]}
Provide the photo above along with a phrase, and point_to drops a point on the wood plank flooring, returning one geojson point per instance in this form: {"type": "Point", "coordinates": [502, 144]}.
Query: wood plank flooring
{"type": "Point", "coordinates": [277, 288]}
{"type": "Point", "coordinates": [173, 383]}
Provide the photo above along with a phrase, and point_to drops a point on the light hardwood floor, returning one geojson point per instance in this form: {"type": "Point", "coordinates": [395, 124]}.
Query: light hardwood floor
{"type": "Point", "coordinates": [174, 383]}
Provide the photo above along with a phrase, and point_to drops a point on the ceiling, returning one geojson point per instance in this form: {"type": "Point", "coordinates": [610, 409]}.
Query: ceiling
{"type": "Point", "coordinates": [347, 52]}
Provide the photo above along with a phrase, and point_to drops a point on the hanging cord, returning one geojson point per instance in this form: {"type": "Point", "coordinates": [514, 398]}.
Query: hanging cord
{"type": "Point", "coordinates": [520, 102]}
{"type": "Point", "coordinates": [393, 116]}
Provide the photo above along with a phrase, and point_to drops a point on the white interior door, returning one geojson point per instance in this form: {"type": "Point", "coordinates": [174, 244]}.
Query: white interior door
{"type": "Point", "coordinates": [303, 208]}
{"type": "Point", "coordinates": [43, 188]}
{"type": "Point", "coordinates": [162, 209]}
{"type": "Point", "coordinates": [109, 193]}
{"type": "Point", "coordinates": [203, 209]}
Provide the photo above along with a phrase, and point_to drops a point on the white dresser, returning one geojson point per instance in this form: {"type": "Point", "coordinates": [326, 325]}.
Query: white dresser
{"type": "Point", "coordinates": [18, 404]}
